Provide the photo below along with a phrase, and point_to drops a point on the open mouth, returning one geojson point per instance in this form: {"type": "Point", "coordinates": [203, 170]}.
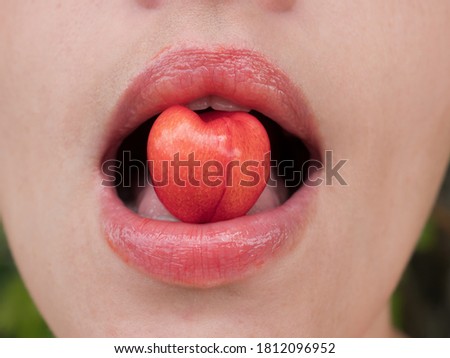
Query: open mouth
{"type": "Point", "coordinates": [289, 159]}
{"type": "Point", "coordinates": [141, 230]}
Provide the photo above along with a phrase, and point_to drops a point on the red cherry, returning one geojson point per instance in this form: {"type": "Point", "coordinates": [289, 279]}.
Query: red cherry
{"type": "Point", "coordinates": [208, 167]}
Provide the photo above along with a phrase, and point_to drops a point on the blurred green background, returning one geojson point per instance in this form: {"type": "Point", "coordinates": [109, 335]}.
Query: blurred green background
{"type": "Point", "coordinates": [420, 305]}
{"type": "Point", "coordinates": [18, 315]}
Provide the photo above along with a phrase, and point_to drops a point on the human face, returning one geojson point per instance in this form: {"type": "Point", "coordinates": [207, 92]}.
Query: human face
{"type": "Point", "coordinates": [373, 74]}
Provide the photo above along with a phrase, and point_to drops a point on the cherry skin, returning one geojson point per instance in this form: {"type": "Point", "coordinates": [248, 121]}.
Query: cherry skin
{"type": "Point", "coordinates": [208, 167]}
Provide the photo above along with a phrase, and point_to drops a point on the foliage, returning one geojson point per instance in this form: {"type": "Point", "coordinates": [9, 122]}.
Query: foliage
{"type": "Point", "coordinates": [18, 314]}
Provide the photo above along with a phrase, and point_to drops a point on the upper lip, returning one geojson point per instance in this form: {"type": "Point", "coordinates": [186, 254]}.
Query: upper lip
{"type": "Point", "coordinates": [221, 252]}
{"type": "Point", "coordinates": [243, 76]}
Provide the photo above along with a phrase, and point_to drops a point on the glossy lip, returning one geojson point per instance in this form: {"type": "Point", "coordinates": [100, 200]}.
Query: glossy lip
{"type": "Point", "coordinates": [217, 253]}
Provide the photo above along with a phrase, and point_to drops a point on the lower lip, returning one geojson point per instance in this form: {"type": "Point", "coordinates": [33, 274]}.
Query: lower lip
{"type": "Point", "coordinates": [217, 253]}
{"type": "Point", "coordinates": [204, 255]}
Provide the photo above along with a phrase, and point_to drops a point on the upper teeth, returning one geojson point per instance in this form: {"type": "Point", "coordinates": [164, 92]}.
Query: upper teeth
{"type": "Point", "coordinates": [217, 103]}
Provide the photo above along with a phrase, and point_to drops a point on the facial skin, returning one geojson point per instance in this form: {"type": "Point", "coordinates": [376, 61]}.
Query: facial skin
{"type": "Point", "coordinates": [376, 76]}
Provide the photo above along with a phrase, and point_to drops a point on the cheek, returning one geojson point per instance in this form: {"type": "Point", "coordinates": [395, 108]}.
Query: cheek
{"type": "Point", "coordinates": [379, 85]}
{"type": "Point", "coordinates": [56, 88]}
{"type": "Point", "coordinates": [382, 96]}
{"type": "Point", "coordinates": [51, 105]}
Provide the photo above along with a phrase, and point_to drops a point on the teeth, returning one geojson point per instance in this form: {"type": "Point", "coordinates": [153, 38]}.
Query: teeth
{"type": "Point", "coordinates": [222, 104]}
{"type": "Point", "coordinates": [199, 104]}
{"type": "Point", "coordinates": [217, 103]}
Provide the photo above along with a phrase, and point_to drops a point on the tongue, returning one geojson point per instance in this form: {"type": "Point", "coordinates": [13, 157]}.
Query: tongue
{"type": "Point", "coordinates": [149, 205]}
{"type": "Point", "coordinates": [270, 198]}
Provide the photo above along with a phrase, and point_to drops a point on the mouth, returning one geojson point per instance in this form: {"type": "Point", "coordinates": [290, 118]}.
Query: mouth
{"type": "Point", "coordinates": [136, 224]}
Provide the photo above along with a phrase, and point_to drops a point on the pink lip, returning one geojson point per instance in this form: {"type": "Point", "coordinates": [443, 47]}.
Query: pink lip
{"type": "Point", "coordinates": [218, 253]}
